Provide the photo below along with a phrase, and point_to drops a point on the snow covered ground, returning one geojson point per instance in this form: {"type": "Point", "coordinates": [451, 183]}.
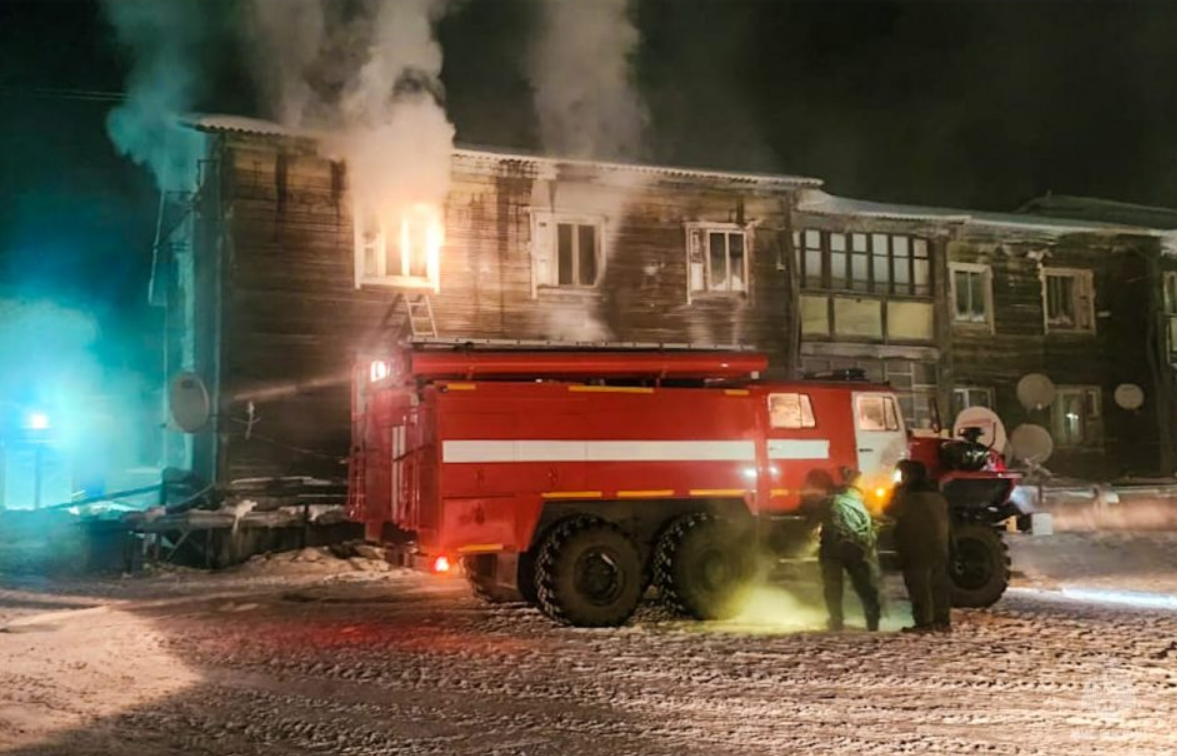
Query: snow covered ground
{"type": "Point", "coordinates": [312, 655]}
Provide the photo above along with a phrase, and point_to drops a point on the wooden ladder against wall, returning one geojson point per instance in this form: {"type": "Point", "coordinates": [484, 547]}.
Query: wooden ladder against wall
{"type": "Point", "coordinates": [419, 319]}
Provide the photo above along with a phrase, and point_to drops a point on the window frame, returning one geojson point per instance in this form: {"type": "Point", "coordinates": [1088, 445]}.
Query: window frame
{"type": "Point", "coordinates": [1083, 281]}
{"type": "Point", "coordinates": [861, 246]}
{"type": "Point", "coordinates": [808, 417]}
{"type": "Point", "coordinates": [967, 391]}
{"type": "Point", "coordinates": [1091, 433]}
{"type": "Point", "coordinates": [431, 279]}
{"type": "Point", "coordinates": [699, 232]}
{"type": "Point", "coordinates": [971, 269]}
{"type": "Point", "coordinates": [1169, 310]}
{"type": "Point", "coordinates": [545, 245]}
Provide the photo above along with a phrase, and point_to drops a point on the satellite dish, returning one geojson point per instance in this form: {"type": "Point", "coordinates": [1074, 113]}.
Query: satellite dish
{"type": "Point", "coordinates": [1031, 443]}
{"type": "Point", "coordinates": [1129, 396]}
{"type": "Point", "coordinates": [992, 429]}
{"type": "Point", "coordinates": [1035, 391]}
{"type": "Point", "coordinates": [189, 402]}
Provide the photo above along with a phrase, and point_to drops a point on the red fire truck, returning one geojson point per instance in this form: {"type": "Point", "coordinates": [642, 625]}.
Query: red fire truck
{"type": "Point", "coordinates": [576, 478]}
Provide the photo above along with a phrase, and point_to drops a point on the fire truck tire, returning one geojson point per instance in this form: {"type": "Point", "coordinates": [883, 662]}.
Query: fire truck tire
{"type": "Point", "coordinates": [588, 574]}
{"type": "Point", "coordinates": [980, 565]}
{"type": "Point", "coordinates": [701, 566]}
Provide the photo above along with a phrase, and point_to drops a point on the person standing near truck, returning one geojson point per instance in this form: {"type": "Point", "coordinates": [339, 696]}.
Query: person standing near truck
{"type": "Point", "coordinates": [847, 545]}
{"type": "Point", "coordinates": [923, 540]}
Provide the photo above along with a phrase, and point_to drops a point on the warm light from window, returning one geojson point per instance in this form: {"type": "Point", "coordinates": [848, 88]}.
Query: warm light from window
{"type": "Point", "coordinates": [378, 370]}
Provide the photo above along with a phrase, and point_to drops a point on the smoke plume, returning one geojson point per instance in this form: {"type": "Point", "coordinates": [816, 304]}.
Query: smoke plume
{"type": "Point", "coordinates": [164, 39]}
{"type": "Point", "coordinates": [380, 109]}
{"type": "Point", "coordinates": [581, 66]}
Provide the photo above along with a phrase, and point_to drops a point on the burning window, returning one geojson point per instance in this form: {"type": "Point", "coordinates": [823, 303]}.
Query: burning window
{"type": "Point", "coordinates": [567, 251]}
{"type": "Point", "coordinates": [717, 258]}
{"type": "Point", "coordinates": [790, 411]}
{"type": "Point", "coordinates": [971, 293]}
{"type": "Point", "coordinates": [400, 249]}
{"type": "Point", "coordinates": [1068, 299]}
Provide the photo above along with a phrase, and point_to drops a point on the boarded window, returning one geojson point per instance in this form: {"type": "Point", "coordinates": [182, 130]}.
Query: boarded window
{"type": "Point", "coordinates": [909, 321]}
{"type": "Point", "coordinates": [815, 315]}
{"type": "Point", "coordinates": [790, 411]}
{"type": "Point", "coordinates": [858, 317]}
{"type": "Point", "coordinates": [1068, 300]}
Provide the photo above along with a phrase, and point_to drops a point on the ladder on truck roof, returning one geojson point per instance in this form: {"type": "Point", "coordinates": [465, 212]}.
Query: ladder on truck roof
{"type": "Point", "coordinates": [494, 345]}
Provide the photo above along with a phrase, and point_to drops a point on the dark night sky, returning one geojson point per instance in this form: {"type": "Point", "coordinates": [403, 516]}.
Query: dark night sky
{"type": "Point", "coordinates": [978, 104]}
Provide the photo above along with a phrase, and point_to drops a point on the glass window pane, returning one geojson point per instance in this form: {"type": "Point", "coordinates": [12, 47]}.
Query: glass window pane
{"type": "Point", "coordinates": [921, 277]}
{"type": "Point", "coordinates": [586, 254]}
{"type": "Point", "coordinates": [899, 246]}
{"type": "Point", "coordinates": [860, 272]}
{"type": "Point", "coordinates": [564, 254]}
{"type": "Point", "coordinates": [977, 296]}
{"type": "Point", "coordinates": [902, 275]}
{"type": "Point", "coordinates": [960, 283]}
{"type": "Point", "coordinates": [813, 239]}
{"type": "Point", "coordinates": [838, 270]}
{"type": "Point", "coordinates": [717, 246]}
{"type": "Point", "coordinates": [892, 418]}
{"type": "Point", "coordinates": [739, 278]}
{"type": "Point", "coordinates": [807, 418]}
{"type": "Point", "coordinates": [784, 410]}
{"type": "Point", "coordinates": [813, 277]}
{"type": "Point", "coordinates": [919, 248]}
{"type": "Point", "coordinates": [871, 415]}
{"type": "Point", "coordinates": [859, 242]}
{"type": "Point", "coordinates": [838, 242]}
{"type": "Point", "coordinates": [882, 269]}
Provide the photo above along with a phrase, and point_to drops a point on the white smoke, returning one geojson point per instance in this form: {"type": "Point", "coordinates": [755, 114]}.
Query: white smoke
{"type": "Point", "coordinates": [164, 39]}
{"type": "Point", "coordinates": [369, 80]}
{"type": "Point", "coordinates": [581, 69]}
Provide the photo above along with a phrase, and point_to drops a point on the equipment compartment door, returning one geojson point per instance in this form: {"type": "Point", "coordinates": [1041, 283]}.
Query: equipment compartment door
{"type": "Point", "coordinates": [878, 432]}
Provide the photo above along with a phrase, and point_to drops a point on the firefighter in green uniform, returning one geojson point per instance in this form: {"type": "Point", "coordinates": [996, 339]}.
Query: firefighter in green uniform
{"type": "Point", "coordinates": [847, 544]}
{"type": "Point", "coordinates": [923, 540]}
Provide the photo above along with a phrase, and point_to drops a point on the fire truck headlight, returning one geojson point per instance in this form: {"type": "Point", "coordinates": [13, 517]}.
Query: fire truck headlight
{"type": "Point", "coordinates": [37, 421]}
{"type": "Point", "coordinates": [750, 473]}
{"type": "Point", "coordinates": [897, 476]}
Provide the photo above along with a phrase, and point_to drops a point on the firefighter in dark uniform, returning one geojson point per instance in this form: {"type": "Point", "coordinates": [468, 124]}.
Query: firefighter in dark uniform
{"type": "Point", "coordinates": [923, 540]}
{"type": "Point", "coordinates": [846, 545]}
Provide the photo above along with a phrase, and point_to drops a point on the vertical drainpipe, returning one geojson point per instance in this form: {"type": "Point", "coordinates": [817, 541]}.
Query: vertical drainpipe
{"type": "Point", "coordinates": [793, 301]}
{"type": "Point", "coordinates": [942, 323]}
{"type": "Point", "coordinates": [218, 238]}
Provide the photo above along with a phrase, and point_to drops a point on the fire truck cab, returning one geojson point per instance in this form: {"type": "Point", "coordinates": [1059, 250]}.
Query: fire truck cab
{"type": "Point", "coordinates": [575, 478]}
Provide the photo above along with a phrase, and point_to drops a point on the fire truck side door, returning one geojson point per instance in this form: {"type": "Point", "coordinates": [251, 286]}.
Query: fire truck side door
{"type": "Point", "coordinates": [879, 434]}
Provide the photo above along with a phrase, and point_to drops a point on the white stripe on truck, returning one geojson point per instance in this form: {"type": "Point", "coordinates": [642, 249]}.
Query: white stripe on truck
{"type": "Point", "coordinates": [816, 448]}
{"type": "Point", "coordinates": [597, 451]}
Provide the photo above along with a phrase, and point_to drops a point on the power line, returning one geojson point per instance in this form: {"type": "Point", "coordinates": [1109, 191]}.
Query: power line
{"type": "Point", "coordinates": [63, 93]}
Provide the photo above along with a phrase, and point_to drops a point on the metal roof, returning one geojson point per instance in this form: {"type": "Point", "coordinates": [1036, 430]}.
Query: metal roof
{"type": "Point", "coordinates": [252, 126]}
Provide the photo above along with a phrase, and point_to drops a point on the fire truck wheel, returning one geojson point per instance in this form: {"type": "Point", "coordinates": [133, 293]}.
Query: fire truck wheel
{"type": "Point", "coordinates": [702, 566]}
{"type": "Point", "coordinates": [588, 574]}
{"type": "Point", "coordinates": [979, 566]}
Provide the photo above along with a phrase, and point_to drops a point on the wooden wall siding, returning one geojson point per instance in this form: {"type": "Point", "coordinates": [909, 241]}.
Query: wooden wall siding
{"type": "Point", "coordinates": [1116, 353]}
{"type": "Point", "coordinates": [294, 319]}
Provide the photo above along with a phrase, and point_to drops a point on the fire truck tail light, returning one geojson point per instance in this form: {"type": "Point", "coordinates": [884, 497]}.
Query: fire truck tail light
{"type": "Point", "coordinates": [441, 565]}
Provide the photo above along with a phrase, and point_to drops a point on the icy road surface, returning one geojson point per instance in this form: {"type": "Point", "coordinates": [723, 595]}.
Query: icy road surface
{"type": "Point", "coordinates": [291, 661]}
